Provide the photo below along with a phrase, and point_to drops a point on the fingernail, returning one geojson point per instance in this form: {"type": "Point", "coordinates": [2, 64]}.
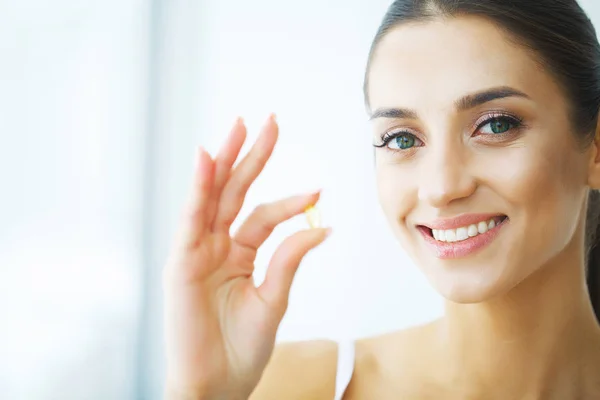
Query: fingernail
{"type": "Point", "coordinates": [239, 121]}
{"type": "Point", "coordinates": [273, 117]}
{"type": "Point", "coordinates": [328, 232]}
{"type": "Point", "coordinates": [268, 122]}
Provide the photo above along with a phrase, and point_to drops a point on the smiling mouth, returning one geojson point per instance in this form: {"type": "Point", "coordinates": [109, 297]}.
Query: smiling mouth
{"type": "Point", "coordinates": [463, 233]}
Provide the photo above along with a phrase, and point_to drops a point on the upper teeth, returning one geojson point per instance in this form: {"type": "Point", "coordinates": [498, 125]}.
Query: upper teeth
{"type": "Point", "coordinates": [456, 235]}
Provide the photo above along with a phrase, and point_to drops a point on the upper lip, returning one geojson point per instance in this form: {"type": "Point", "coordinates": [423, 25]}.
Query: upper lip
{"type": "Point", "coordinates": [459, 221]}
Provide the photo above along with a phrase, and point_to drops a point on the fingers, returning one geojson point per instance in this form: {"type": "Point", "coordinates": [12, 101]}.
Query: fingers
{"type": "Point", "coordinates": [244, 174]}
{"type": "Point", "coordinates": [261, 223]}
{"type": "Point", "coordinates": [196, 221]}
{"type": "Point", "coordinates": [275, 289]}
{"type": "Point", "coordinates": [224, 162]}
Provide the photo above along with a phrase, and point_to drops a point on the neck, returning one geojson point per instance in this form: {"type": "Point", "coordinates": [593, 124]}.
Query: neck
{"type": "Point", "coordinates": [542, 337]}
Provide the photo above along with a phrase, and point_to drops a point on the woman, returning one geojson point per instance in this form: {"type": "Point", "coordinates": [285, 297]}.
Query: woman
{"type": "Point", "coordinates": [485, 124]}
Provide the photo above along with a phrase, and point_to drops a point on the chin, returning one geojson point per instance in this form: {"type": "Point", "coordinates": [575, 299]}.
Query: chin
{"type": "Point", "coordinates": [468, 288]}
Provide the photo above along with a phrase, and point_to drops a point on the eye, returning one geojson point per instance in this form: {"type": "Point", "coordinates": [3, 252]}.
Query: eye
{"type": "Point", "coordinates": [402, 142]}
{"type": "Point", "coordinates": [498, 125]}
{"type": "Point", "coordinates": [399, 141]}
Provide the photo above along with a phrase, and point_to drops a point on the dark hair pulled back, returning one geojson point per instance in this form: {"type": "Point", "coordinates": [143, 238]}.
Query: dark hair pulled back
{"type": "Point", "coordinates": [564, 41]}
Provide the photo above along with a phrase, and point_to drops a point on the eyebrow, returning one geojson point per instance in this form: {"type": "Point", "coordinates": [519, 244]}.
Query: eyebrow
{"type": "Point", "coordinates": [464, 103]}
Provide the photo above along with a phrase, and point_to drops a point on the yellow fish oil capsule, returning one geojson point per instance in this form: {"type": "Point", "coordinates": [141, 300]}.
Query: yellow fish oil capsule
{"type": "Point", "coordinates": [313, 217]}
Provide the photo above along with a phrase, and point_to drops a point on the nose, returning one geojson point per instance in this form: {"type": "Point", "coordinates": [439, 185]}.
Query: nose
{"type": "Point", "coordinates": [445, 177]}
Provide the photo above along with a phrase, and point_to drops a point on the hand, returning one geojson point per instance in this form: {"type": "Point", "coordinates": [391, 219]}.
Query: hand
{"type": "Point", "coordinates": [220, 328]}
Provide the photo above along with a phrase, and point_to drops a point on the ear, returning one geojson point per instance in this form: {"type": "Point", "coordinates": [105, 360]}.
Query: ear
{"type": "Point", "coordinates": [594, 166]}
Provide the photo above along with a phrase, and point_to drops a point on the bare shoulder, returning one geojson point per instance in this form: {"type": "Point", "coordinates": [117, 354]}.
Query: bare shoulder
{"type": "Point", "coordinates": [385, 366]}
{"type": "Point", "coordinates": [394, 363]}
{"type": "Point", "coordinates": [299, 370]}
{"type": "Point", "coordinates": [413, 341]}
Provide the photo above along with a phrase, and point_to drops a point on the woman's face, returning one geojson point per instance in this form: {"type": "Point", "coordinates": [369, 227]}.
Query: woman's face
{"type": "Point", "coordinates": [474, 131]}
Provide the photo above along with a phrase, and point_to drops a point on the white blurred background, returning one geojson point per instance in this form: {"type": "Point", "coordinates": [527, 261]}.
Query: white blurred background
{"type": "Point", "coordinates": [102, 104]}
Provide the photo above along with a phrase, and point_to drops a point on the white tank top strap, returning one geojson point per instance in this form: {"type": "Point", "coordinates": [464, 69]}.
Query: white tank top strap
{"type": "Point", "coordinates": [345, 367]}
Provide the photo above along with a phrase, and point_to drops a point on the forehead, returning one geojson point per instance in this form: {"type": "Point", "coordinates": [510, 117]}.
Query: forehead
{"type": "Point", "coordinates": [424, 64]}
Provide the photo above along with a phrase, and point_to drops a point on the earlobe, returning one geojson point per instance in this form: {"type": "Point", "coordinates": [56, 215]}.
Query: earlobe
{"type": "Point", "coordinates": [594, 169]}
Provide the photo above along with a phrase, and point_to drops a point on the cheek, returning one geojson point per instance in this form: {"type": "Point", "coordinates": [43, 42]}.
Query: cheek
{"type": "Point", "coordinates": [544, 186]}
{"type": "Point", "coordinates": [396, 187]}
{"type": "Point", "coordinates": [548, 178]}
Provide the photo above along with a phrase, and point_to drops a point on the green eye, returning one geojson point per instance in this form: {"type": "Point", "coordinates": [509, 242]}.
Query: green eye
{"type": "Point", "coordinates": [402, 142]}
{"type": "Point", "coordinates": [497, 126]}
{"type": "Point", "coordinates": [399, 140]}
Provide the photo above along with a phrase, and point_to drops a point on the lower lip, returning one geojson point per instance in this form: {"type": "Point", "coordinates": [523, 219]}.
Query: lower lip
{"type": "Point", "coordinates": [464, 248]}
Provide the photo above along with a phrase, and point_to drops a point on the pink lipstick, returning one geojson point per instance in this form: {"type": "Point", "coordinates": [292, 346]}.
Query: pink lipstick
{"type": "Point", "coordinates": [466, 245]}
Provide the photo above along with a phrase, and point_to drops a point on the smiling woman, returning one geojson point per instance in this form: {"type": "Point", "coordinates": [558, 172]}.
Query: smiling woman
{"type": "Point", "coordinates": [485, 124]}
{"type": "Point", "coordinates": [516, 151]}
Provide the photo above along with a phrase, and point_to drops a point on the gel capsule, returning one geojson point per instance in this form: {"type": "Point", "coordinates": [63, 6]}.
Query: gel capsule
{"type": "Point", "coordinates": [313, 217]}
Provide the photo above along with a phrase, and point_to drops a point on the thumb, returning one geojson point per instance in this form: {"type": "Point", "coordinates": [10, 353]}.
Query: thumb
{"type": "Point", "coordinates": [275, 289]}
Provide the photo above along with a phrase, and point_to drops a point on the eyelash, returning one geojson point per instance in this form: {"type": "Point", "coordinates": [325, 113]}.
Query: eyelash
{"type": "Point", "coordinates": [516, 123]}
